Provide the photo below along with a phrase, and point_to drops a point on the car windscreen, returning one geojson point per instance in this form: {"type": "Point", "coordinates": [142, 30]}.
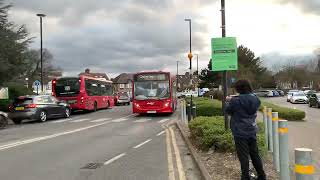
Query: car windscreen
{"type": "Point", "coordinates": [299, 94]}
{"type": "Point", "coordinates": [22, 101]}
{"type": "Point", "coordinates": [67, 87]}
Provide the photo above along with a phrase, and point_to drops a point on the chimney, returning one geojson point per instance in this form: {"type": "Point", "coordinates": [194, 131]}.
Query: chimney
{"type": "Point", "coordinates": [87, 71]}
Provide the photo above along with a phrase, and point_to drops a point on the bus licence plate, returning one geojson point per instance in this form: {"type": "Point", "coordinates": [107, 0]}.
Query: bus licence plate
{"type": "Point", "coordinates": [151, 112]}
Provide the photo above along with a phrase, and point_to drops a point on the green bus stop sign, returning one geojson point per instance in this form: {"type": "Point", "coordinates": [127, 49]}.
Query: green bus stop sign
{"type": "Point", "coordinates": [224, 54]}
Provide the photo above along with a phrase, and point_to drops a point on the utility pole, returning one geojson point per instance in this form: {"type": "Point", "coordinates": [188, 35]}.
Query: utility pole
{"type": "Point", "coordinates": [177, 76]}
{"type": "Point", "coordinates": [190, 58]}
{"type": "Point", "coordinates": [41, 50]}
{"type": "Point", "coordinates": [198, 72]}
{"type": "Point", "coordinates": [225, 76]}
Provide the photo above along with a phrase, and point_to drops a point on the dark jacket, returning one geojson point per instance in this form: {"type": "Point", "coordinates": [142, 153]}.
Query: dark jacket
{"type": "Point", "coordinates": [243, 110]}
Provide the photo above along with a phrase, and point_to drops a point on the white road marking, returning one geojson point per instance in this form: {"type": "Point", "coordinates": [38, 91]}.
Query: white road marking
{"type": "Point", "coordinates": [120, 120]}
{"type": "Point", "coordinates": [141, 144]}
{"type": "Point", "coordinates": [182, 175]}
{"type": "Point", "coordinates": [123, 118]}
{"type": "Point", "coordinates": [11, 145]}
{"type": "Point", "coordinates": [169, 155]}
{"type": "Point", "coordinates": [163, 120]}
{"type": "Point", "coordinates": [114, 159]}
{"type": "Point", "coordinates": [142, 120]}
{"type": "Point", "coordinates": [79, 120]}
{"type": "Point", "coordinates": [59, 121]}
{"type": "Point", "coordinates": [160, 133]}
{"type": "Point", "coordinates": [101, 120]}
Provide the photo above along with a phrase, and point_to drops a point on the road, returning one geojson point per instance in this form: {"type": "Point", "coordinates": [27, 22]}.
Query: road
{"type": "Point", "coordinates": [303, 134]}
{"type": "Point", "coordinates": [108, 144]}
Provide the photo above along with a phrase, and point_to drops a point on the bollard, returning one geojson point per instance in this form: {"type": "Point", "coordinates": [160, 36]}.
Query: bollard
{"type": "Point", "coordinates": [284, 150]}
{"type": "Point", "coordinates": [181, 109]}
{"type": "Point", "coordinates": [189, 112]}
{"type": "Point", "coordinates": [303, 164]}
{"type": "Point", "coordinates": [185, 112]}
{"type": "Point", "coordinates": [269, 118]}
{"type": "Point", "coordinates": [265, 121]}
{"type": "Point", "coordinates": [194, 111]}
{"type": "Point", "coordinates": [275, 136]}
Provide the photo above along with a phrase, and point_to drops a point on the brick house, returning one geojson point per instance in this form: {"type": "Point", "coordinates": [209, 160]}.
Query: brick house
{"type": "Point", "coordinates": [95, 75]}
{"type": "Point", "coordinates": [183, 82]}
{"type": "Point", "coordinates": [123, 83]}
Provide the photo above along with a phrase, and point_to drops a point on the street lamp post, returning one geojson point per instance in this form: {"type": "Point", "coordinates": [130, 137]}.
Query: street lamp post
{"type": "Point", "coordinates": [190, 58]}
{"type": "Point", "coordinates": [41, 50]}
{"type": "Point", "coordinates": [198, 72]}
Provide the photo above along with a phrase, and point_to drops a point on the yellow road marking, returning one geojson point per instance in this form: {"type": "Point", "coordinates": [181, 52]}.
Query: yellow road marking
{"type": "Point", "coordinates": [169, 154]}
{"type": "Point", "coordinates": [182, 175]}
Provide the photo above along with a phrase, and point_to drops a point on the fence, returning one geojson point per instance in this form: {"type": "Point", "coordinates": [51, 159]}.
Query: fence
{"type": "Point", "coordinates": [277, 143]}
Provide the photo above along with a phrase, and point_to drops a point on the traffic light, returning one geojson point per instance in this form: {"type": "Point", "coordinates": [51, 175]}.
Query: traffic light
{"type": "Point", "coordinates": [190, 59]}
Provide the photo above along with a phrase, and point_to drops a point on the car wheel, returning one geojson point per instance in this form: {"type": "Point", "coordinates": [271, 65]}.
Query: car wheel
{"type": "Point", "coordinates": [310, 105]}
{"type": "Point", "coordinates": [16, 121]}
{"type": "Point", "coordinates": [43, 116]}
{"type": "Point", "coordinates": [3, 122]}
{"type": "Point", "coordinates": [67, 112]}
{"type": "Point", "coordinates": [318, 105]}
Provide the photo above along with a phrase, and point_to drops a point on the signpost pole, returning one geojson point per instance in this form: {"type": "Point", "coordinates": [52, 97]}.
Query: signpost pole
{"type": "Point", "coordinates": [224, 79]}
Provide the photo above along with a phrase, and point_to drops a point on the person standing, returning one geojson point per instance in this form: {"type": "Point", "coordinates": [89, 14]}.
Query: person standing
{"type": "Point", "coordinates": [243, 110]}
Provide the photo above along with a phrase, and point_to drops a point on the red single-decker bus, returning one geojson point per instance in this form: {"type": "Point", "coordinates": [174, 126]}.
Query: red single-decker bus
{"type": "Point", "coordinates": [154, 92]}
{"type": "Point", "coordinates": [83, 92]}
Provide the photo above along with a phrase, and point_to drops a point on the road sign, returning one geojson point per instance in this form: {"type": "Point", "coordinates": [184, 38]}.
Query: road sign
{"type": "Point", "coordinates": [224, 54]}
{"type": "Point", "coordinates": [37, 83]}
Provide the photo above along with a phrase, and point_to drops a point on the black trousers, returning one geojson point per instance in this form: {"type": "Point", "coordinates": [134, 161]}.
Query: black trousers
{"type": "Point", "coordinates": [245, 148]}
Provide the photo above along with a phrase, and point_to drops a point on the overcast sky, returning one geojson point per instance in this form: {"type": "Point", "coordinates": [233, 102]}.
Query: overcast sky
{"type": "Point", "coordinates": [133, 35]}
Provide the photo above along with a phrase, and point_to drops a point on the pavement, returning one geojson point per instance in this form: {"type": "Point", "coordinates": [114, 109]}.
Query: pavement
{"type": "Point", "coordinates": [108, 144]}
{"type": "Point", "coordinates": [303, 134]}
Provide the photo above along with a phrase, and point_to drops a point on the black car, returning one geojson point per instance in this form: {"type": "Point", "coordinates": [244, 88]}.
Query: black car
{"type": "Point", "coordinates": [314, 100]}
{"type": "Point", "coordinates": [3, 120]}
{"type": "Point", "coordinates": [38, 108]}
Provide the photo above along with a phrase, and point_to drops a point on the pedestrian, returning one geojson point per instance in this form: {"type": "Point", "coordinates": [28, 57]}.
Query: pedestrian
{"type": "Point", "coordinates": [243, 110]}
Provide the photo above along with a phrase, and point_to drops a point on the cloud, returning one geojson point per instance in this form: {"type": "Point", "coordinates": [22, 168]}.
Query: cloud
{"type": "Point", "coordinates": [309, 6]}
{"type": "Point", "coordinates": [114, 36]}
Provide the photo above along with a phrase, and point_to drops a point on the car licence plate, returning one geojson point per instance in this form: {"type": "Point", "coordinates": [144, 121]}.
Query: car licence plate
{"type": "Point", "coordinates": [19, 108]}
{"type": "Point", "coordinates": [151, 112]}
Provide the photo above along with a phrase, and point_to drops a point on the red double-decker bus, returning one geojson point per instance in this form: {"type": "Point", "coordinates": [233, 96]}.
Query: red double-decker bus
{"type": "Point", "coordinates": [83, 92]}
{"type": "Point", "coordinates": [154, 92]}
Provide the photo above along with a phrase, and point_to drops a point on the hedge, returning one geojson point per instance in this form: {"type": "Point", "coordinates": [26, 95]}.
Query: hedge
{"type": "Point", "coordinates": [208, 107]}
{"type": "Point", "coordinates": [209, 132]}
{"type": "Point", "coordinates": [284, 112]}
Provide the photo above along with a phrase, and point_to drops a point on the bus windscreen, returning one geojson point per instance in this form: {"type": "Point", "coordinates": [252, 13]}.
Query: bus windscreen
{"type": "Point", "coordinates": [67, 87]}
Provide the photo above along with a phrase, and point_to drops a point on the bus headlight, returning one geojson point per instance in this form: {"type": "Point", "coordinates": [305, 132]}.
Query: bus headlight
{"type": "Point", "coordinates": [166, 104]}
{"type": "Point", "coordinates": [136, 105]}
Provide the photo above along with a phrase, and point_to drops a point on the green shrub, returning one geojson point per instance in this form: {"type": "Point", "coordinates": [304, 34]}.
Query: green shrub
{"type": "Point", "coordinates": [215, 94]}
{"type": "Point", "coordinates": [208, 107]}
{"type": "Point", "coordinates": [15, 90]}
{"type": "Point", "coordinates": [284, 112]}
{"type": "Point", "coordinates": [208, 132]}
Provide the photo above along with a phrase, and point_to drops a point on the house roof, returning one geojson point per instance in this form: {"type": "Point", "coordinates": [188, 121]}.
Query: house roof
{"type": "Point", "coordinates": [95, 75]}
{"type": "Point", "coordinates": [123, 78]}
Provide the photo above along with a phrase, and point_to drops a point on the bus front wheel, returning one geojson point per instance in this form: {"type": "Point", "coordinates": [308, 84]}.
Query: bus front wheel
{"type": "Point", "coordinates": [95, 107]}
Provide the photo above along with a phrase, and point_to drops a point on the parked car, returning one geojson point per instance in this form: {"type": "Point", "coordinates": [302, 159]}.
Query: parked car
{"type": "Point", "coordinates": [262, 93]}
{"type": "Point", "coordinates": [40, 108]}
{"type": "Point", "coordinates": [309, 93]}
{"type": "Point", "coordinates": [289, 95]}
{"type": "Point", "coordinates": [281, 93]}
{"type": "Point", "coordinates": [124, 98]}
{"type": "Point", "coordinates": [275, 93]}
{"type": "Point", "coordinates": [3, 120]}
{"type": "Point", "coordinates": [299, 97]}
{"type": "Point", "coordinates": [314, 100]}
